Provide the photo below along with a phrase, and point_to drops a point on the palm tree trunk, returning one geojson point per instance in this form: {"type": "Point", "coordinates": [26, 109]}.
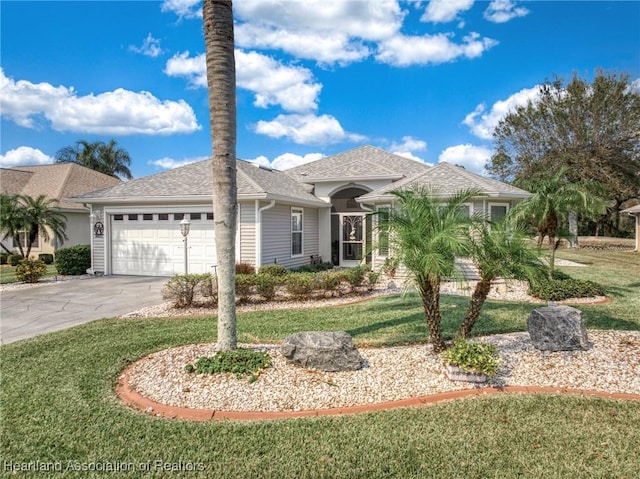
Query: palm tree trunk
{"type": "Point", "coordinates": [478, 298]}
{"type": "Point", "coordinates": [221, 80]}
{"type": "Point", "coordinates": [430, 294]}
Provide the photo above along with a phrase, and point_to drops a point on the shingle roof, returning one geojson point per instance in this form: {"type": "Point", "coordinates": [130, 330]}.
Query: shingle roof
{"type": "Point", "coordinates": [633, 210]}
{"type": "Point", "coordinates": [196, 181]}
{"type": "Point", "coordinates": [358, 163]}
{"type": "Point", "coordinates": [57, 181]}
{"type": "Point", "coordinates": [447, 179]}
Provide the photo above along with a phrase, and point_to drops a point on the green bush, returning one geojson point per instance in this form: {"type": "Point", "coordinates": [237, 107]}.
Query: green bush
{"type": "Point", "coordinates": [241, 362]}
{"type": "Point", "coordinates": [372, 279]}
{"type": "Point", "coordinates": [357, 275]}
{"type": "Point", "coordinates": [315, 268]}
{"type": "Point", "coordinates": [3, 258]}
{"type": "Point", "coordinates": [14, 259]}
{"type": "Point", "coordinates": [276, 270]}
{"type": "Point", "coordinates": [244, 286]}
{"type": "Point", "coordinates": [46, 258]}
{"type": "Point", "coordinates": [329, 281]}
{"type": "Point", "coordinates": [472, 357]}
{"type": "Point", "coordinates": [30, 270]}
{"type": "Point", "coordinates": [73, 260]}
{"type": "Point", "coordinates": [181, 288]}
{"type": "Point", "coordinates": [266, 285]}
{"type": "Point", "coordinates": [209, 288]}
{"type": "Point", "coordinates": [245, 268]}
{"type": "Point", "coordinates": [301, 285]}
{"type": "Point", "coordinates": [562, 287]}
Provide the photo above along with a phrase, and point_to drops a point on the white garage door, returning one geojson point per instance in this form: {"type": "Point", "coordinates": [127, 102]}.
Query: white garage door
{"type": "Point", "coordinates": [151, 244]}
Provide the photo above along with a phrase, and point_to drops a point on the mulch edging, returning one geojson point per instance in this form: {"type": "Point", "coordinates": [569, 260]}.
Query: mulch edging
{"type": "Point", "coordinates": [134, 399]}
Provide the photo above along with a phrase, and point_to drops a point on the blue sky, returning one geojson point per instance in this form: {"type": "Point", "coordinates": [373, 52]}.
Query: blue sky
{"type": "Point", "coordinates": [426, 79]}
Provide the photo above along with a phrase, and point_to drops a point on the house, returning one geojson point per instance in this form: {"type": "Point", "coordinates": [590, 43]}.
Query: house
{"type": "Point", "coordinates": [314, 210]}
{"type": "Point", "coordinates": [635, 211]}
{"type": "Point", "coordinates": [58, 181]}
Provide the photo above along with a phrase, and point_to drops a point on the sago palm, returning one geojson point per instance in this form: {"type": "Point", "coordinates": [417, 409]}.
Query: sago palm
{"type": "Point", "coordinates": [498, 251]}
{"type": "Point", "coordinates": [427, 233]}
{"type": "Point", "coordinates": [39, 216]}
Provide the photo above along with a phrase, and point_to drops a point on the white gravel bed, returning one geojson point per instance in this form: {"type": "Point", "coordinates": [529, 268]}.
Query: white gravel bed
{"type": "Point", "coordinates": [612, 364]}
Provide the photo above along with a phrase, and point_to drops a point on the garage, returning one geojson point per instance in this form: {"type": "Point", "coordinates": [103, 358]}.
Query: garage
{"type": "Point", "coordinates": [150, 244]}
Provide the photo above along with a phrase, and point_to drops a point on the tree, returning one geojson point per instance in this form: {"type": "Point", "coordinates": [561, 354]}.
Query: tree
{"type": "Point", "coordinates": [554, 198]}
{"type": "Point", "coordinates": [591, 129]}
{"type": "Point", "coordinates": [498, 250]}
{"type": "Point", "coordinates": [106, 158]}
{"type": "Point", "coordinates": [221, 81]}
{"type": "Point", "coordinates": [427, 235]}
{"type": "Point", "coordinates": [24, 215]}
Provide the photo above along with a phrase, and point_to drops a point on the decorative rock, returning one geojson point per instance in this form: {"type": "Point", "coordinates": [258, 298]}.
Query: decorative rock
{"type": "Point", "coordinates": [327, 351]}
{"type": "Point", "coordinates": [557, 328]}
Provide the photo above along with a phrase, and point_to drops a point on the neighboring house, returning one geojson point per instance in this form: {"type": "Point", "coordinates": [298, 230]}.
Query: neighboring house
{"type": "Point", "coordinates": [635, 211]}
{"type": "Point", "coordinates": [57, 181]}
{"type": "Point", "coordinates": [290, 218]}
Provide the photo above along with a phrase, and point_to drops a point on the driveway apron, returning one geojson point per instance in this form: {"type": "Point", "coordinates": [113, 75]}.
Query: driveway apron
{"type": "Point", "coordinates": [28, 312]}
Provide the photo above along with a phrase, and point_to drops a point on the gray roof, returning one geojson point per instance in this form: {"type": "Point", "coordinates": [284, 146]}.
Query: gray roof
{"type": "Point", "coordinates": [365, 162]}
{"type": "Point", "coordinates": [634, 210]}
{"type": "Point", "coordinates": [447, 180]}
{"type": "Point", "coordinates": [195, 182]}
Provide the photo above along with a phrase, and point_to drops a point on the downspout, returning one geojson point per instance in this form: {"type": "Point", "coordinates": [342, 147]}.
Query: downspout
{"type": "Point", "coordinates": [92, 220]}
{"type": "Point", "coordinates": [259, 230]}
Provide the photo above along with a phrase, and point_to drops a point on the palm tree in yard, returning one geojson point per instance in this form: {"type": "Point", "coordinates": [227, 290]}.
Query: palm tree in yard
{"type": "Point", "coordinates": [107, 158]}
{"type": "Point", "coordinates": [221, 80]}
{"type": "Point", "coordinates": [428, 234]}
{"type": "Point", "coordinates": [11, 223]}
{"type": "Point", "coordinates": [498, 250]}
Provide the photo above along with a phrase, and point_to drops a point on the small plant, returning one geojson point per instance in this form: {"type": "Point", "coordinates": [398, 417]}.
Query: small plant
{"type": "Point", "coordinates": [3, 258]}
{"type": "Point", "coordinates": [357, 275]}
{"type": "Point", "coordinates": [390, 266]}
{"type": "Point", "coordinates": [14, 259]}
{"type": "Point", "coordinates": [245, 268]}
{"type": "Point", "coordinates": [562, 287]}
{"type": "Point", "coordinates": [241, 362]}
{"type": "Point", "coordinates": [372, 279]}
{"type": "Point", "coordinates": [266, 285]}
{"type": "Point", "coordinates": [276, 270]}
{"type": "Point", "coordinates": [46, 258]}
{"type": "Point", "coordinates": [244, 286]}
{"type": "Point", "coordinates": [301, 285]}
{"type": "Point", "coordinates": [329, 281]}
{"type": "Point", "coordinates": [209, 288]}
{"type": "Point", "coordinates": [181, 288]}
{"type": "Point", "coordinates": [30, 270]}
{"type": "Point", "coordinates": [315, 268]}
{"type": "Point", "coordinates": [73, 260]}
{"type": "Point", "coordinates": [472, 357]}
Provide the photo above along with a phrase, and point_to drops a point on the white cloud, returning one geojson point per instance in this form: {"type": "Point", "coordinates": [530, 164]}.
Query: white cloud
{"type": "Point", "coordinates": [291, 87]}
{"type": "Point", "coordinates": [473, 158]}
{"type": "Point", "coordinates": [287, 160]}
{"type": "Point", "coordinates": [403, 50]}
{"type": "Point", "coordinates": [440, 11]}
{"type": "Point", "coordinates": [482, 122]}
{"type": "Point", "coordinates": [306, 129]}
{"type": "Point", "coordinates": [408, 147]}
{"type": "Point", "coordinates": [183, 8]}
{"type": "Point", "coordinates": [635, 85]}
{"type": "Point", "coordinates": [501, 11]}
{"type": "Point", "coordinates": [167, 163]}
{"type": "Point", "coordinates": [150, 47]}
{"type": "Point", "coordinates": [119, 112]}
{"type": "Point", "coordinates": [24, 155]}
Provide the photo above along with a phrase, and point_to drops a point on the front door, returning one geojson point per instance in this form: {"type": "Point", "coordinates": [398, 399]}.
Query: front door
{"type": "Point", "coordinates": [352, 237]}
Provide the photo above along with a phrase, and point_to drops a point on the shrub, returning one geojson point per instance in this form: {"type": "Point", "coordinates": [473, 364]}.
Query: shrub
{"type": "Point", "coordinates": [245, 268]}
{"type": "Point", "coordinates": [46, 258]}
{"type": "Point", "coordinates": [276, 270]}
{"type": "Point", "coordinates": [244, 286]}
{"type": "Point", "coordinates": [30, 270]}
{"type": "Point", "coordinates": [300, 285]}
{"type": "Point", "coordinates": [472, 357]}
{"type": "Point", "coordinates": [329, 281]}
{"type": "Point", "coordinates": [315, 268]}
{"type": "Point", "coordinates": [3, 258]}
{"type": "Point", "coordinates": [241, 362]}
{"type": "Point", "coordinates": [560, 289]}
{"type": "Point", "coordinates": [372, 279]}
{"type": "Point", "coordinates": [181, 288]}
{"type": "Point", "coordinates": [357, 275]}
{"type": "Point", "coordinates": [209, 288]}
{"type": "Point", "coordinates": [73, 260]}
{"type": "Point", "coordinates": [390, 266]}
{"type": "Point", "coordinates": [266, 285]}
{"type": "Point", "coordinates": [14, 259]}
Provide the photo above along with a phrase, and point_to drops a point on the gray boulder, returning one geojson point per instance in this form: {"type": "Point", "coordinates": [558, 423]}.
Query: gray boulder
{"type": "Point", "coordinates": [326, 351]}
{"type": "Point", "coordinates": [557, 328]}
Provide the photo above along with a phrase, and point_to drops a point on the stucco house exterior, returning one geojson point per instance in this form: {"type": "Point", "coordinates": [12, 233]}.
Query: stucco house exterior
{"type": "Point", "coordinates": [58, 181]}
{"type": "Point", "coordinates": [293, 217]}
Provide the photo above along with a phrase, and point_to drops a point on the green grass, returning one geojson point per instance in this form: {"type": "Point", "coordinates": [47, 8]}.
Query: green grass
{"type": "Point", "coordinates": [57, 403]}
{"type": "Point", "coordinates": [8, 273]}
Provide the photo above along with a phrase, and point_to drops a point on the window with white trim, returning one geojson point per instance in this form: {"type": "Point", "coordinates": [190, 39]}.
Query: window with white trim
{"type": "Point", "coordinates": [383, 231]}
{"type": "Point", "coordinates": [296, 231]}
{"type": "Point", "coordinates": [497, 211]}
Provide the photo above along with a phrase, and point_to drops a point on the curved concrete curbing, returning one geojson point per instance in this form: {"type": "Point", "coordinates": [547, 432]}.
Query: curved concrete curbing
{"type": "Point", "coordinates": [134, 399]}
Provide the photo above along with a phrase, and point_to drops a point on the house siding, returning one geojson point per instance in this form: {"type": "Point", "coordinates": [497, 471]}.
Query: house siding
{"type": "Point", "coordinates": [276, 236]}
{"type": "Point", "coordinates": [247, 232]}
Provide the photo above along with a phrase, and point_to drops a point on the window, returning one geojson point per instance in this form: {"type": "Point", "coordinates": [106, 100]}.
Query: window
{"type": "Point", "coordinates": [383, 232]}
{"type": "Point", "coordinates": [209, 216]}
{"type": "Point", "coordinates": [147, 217]}
{"type": "Point", "coordinates": [22, 237]}
{"type": "Point", "coordinates": [178, 216]}
{"type": "Point", "coordinates": [296, 232]}
{"type": "Point", "coordinates": [163, 216]}
{"type": "Point", "coordinates": [118, 217]}
{"type": "Point", "coordinates": [133, 217]}
{"type": "Point", "coordinates": [497, 211]}
{"type": "Point", "coordinates": [195, 216]}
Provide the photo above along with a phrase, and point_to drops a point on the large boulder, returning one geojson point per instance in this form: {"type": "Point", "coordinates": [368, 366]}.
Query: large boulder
{"type": "Point", "coordinates": [323, 350]}
{"type": "Point", "coordinates": [557, 328]}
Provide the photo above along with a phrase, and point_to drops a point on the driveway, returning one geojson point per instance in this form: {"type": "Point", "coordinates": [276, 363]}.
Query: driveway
{"type": "Point", "coordinates": [28, 312]}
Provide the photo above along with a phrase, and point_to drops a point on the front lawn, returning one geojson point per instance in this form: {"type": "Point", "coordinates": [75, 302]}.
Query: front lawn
{"type": "Point", "coordinates": [8, 273]}
{"type": "Point", "coordinates": [57, 403]}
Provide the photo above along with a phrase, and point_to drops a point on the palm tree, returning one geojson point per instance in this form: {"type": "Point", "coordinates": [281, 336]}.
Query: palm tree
{"type": "Point", "coordinates": [24, 215]}
{"type": "Point", "coordinates": [427, 235]}
{"type": "Point", "coordinates": [221, 80]}
{"type": "Point", "coordinates": [106, 158]}
{"type": "Point", "coordinates": [498, 250]}
{"type": "Point", "coordinates": [554, 198]}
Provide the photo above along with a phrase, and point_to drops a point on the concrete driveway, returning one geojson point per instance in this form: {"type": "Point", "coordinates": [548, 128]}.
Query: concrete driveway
{"type": "Point", "coordinates": [28, 312]}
